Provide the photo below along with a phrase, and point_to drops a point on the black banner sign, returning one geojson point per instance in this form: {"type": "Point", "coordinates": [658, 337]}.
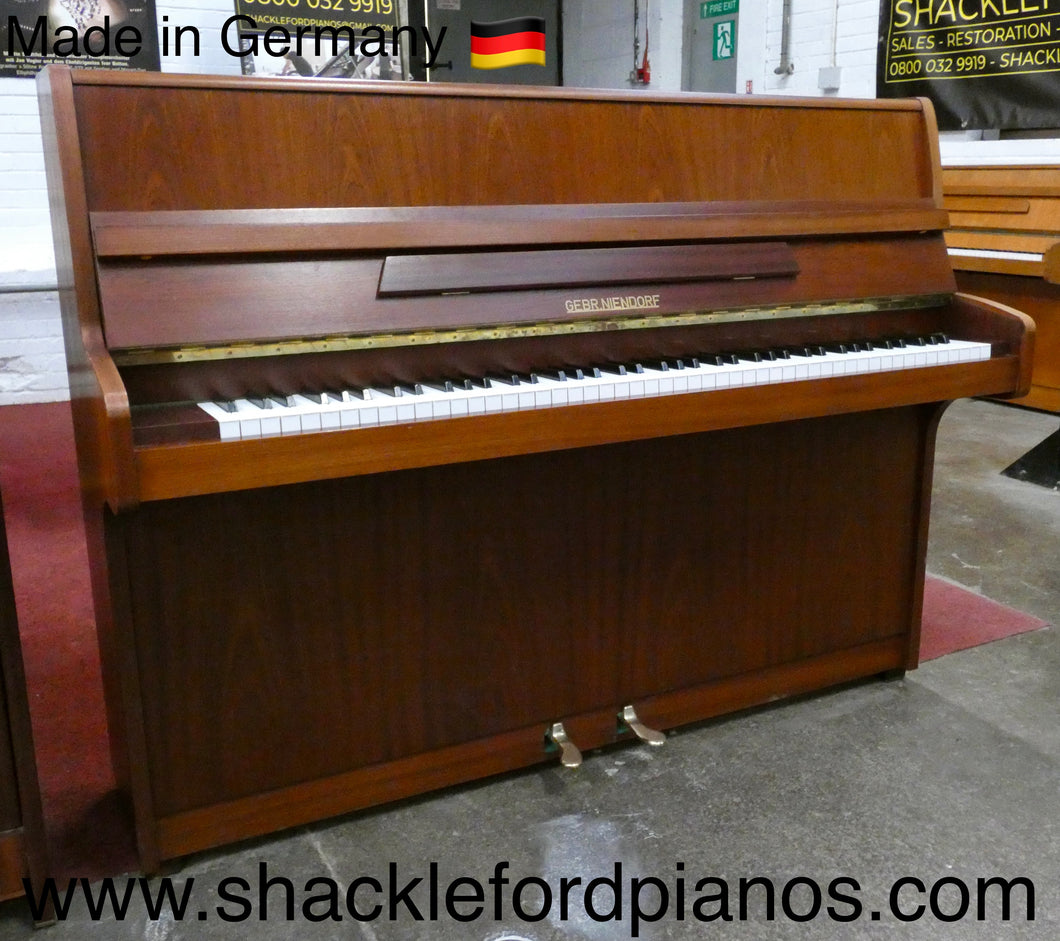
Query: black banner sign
{"type": "Point", "coordinates": [983, 63]}
{"type": "Point", "coordinates": [331, 38]}
{"type": "Point", "coordinates": [100, 34]}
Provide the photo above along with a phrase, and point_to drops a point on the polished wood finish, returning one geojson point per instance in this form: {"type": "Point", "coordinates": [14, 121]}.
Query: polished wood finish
{"type": "Point", "coordinates": [491, 271]}
{"type": "Point", "coordinates": [1013, 209]}
{"type": "Point", "coordinates": [297, 627]}
{"type": "Point", "coordinates": [205, 232]}
{"type": "Point", "coordinates": [262, 299]}
{"type": "Point", "coordinates": [488, 639]}
{"type": "Point", "coordinates": [22, 846]}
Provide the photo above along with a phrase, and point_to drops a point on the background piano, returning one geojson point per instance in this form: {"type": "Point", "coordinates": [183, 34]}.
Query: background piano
{"type": "Point", "coordinates": [302, 623]}
{"type": "Point", "coordinates": [1004, 241]}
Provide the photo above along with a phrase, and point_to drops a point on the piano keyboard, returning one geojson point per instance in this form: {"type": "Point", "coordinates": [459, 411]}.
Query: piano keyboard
{"type": "Point", "coordinates": [334, 410]}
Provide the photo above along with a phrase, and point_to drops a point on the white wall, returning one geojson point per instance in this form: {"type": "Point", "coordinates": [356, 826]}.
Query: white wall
{"type": "Point", "coordinates": [598, 43]}
{"type": "Point", "coordinates": [824, 33]}
{"type": "Point", "coordinates": [32, 367]}
{"type": "Point", "coordinates": [598, 52]}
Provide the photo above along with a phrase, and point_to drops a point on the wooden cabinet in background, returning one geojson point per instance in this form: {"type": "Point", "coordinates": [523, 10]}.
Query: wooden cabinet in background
{"type": "Point", "coordinates": [22, 850]}
{"type": "Point", "coordinates": [1004, 242]}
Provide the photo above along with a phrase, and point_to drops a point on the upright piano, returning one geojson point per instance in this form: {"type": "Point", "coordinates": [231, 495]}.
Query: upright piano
{"type": "Point", "coordinates": [1004, 241]}
{"type": "Point", "coordinates": [429, 432]}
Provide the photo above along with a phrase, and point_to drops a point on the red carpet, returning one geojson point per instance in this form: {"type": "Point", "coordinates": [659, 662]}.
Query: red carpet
{"type": "Point", "coordinates": [89, 834]}
{"type": "Point", "coordinates": [956, 619]}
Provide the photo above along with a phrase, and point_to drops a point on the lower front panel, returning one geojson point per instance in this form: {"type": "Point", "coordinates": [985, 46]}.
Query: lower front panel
{"type": "Point", "coordinates": [290, 637]}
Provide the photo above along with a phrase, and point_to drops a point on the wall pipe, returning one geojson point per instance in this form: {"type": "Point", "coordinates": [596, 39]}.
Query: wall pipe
{"type": "Point", "coordinates": [786, 66]}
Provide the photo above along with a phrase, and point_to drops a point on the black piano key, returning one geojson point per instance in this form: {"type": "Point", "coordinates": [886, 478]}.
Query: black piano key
{"type": "Point", "coordinates": [508, 379]}
{"type": "Point", "coordinates": [556, 375]}
{"type": "Point", "coordinates": [613, 369]}
{"type": "Point", "coordinates": [441, 385]}
{"type": "Point", "coordinates": [749, 356]}
{"type": "Point", "coordinates": [718, 359]}
{"type": "Point", "coordinates": [659, 365]}
{"type": "Point", "coordinates": [317, 397]}
{"type": "Point", "coordinates": [469, 383]}
{"type": "Point", "coordinates": [399, 389]}
{"type": "Point", "coordinates": [939, 338]}
{"type": "Point", "coordinates": [260, 401]}
{"type": "Point", "coordinates": [227, 406]}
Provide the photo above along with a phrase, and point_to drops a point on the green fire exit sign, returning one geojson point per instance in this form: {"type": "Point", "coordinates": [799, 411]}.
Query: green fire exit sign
{"type": "Point", "coordinates": [710, 8]}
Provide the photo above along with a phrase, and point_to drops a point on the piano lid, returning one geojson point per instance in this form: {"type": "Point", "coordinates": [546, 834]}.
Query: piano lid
{"type": "Point", "coordinates": [381, 144]}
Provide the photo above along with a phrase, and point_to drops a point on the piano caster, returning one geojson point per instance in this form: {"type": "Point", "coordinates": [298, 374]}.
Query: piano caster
{"type": "Point", "coordinates": [570, 755]}
{"type": "Point", "coordinates": [627, 719]}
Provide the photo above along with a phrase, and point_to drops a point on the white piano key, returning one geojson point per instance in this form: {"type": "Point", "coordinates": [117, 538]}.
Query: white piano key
{"type": "Point", "coordinates": [227, 422]}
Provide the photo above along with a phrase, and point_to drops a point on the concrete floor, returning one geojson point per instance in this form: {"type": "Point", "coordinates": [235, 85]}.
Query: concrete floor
{"type": "Point", "coordinates": [952, 773]}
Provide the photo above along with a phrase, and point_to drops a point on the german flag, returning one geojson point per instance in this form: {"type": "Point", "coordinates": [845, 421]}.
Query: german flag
{"type": "Point", "coordinates": [497, 45]}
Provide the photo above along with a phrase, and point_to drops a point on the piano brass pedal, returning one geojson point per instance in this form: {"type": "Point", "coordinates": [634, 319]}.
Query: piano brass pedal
{"type": "Point", "coordinates": [627, 719]}
{"type": "Point", "coordinates": [570, 755]}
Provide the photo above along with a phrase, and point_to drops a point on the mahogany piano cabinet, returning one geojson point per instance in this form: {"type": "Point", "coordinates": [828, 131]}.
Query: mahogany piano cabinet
{"type": "Point", "coordinates": [432, 431]}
